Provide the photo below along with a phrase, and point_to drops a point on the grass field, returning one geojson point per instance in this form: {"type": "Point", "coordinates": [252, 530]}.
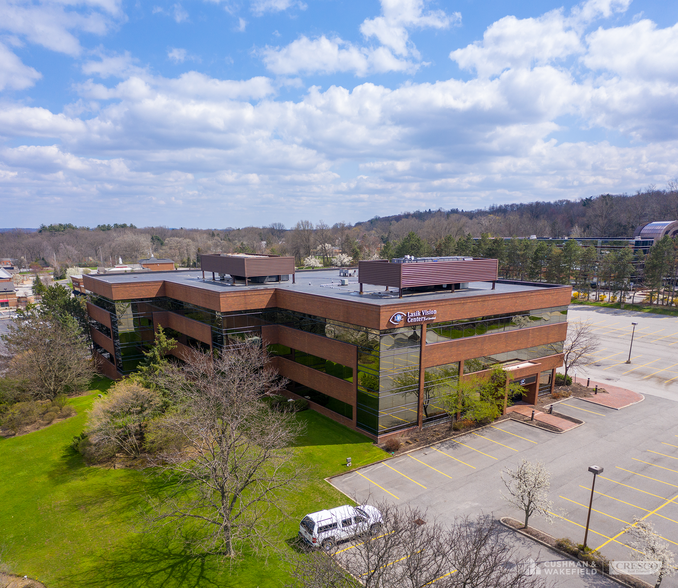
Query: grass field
{"type": "Point", "coordinates": [69, 525]}
{"type": "Point", "coordinates": [649, 308]}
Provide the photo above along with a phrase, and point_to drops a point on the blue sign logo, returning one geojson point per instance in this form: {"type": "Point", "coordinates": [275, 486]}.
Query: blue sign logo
{"type": "Point", "coordinates": [397, 318]}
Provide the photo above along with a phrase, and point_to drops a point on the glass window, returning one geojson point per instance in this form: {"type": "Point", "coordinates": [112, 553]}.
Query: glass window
{"type": "Point", "coordinates": [482, 363]}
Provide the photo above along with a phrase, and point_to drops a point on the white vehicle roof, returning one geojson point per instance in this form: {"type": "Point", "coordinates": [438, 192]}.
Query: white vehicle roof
{"type": "Point", "coordinates": [341, 512]}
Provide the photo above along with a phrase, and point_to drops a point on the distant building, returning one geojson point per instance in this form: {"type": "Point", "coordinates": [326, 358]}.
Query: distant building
{"type": "Point", "coordinates": [657, 230]}
{"type": "Point", "coordinates": [7, 263]}
{"type": "Point", "coordinates": [7, 294]}
{"type": "Point", "coordinates": [157, 265]}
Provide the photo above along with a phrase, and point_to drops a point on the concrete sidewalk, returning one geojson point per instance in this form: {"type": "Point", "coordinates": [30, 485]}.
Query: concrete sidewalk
{"type": "Point", "coordinates": [616, 397]}
{"type": "Point", "coordinates": [549, 419]}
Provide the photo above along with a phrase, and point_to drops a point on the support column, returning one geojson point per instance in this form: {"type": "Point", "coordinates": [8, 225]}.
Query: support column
{"type": "Point", "coordinates": [422, 377]}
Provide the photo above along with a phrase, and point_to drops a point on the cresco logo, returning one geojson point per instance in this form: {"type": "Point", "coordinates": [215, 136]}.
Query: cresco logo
{"type": "Point", "coordinates": [397, 318]}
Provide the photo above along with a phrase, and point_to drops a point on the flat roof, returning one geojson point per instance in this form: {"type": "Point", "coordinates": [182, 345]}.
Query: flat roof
{"type": "Point", "coordinates": [325, 283]}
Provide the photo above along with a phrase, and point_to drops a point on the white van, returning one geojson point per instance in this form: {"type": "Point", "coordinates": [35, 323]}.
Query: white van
{"type": "Point", "coordinates": [326, 527]}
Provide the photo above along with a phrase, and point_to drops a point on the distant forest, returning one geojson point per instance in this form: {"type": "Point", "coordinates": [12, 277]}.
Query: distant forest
{"type": "Point", "coordinates": [440, 232]}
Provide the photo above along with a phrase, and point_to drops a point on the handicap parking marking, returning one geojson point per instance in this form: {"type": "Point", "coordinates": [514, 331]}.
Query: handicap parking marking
{"type": "Point", "coordinates": [454, 458]}
{"type": "Point", "coordinates": [377, 485]}
{"type": "Point", "coordinates": [404, 475]}
{"type": "Point", "coordinates": [430, 466]}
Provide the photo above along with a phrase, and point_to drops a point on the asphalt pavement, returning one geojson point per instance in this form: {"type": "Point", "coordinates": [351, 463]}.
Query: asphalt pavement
{"type": "Point", "coordinates": [653, 367]}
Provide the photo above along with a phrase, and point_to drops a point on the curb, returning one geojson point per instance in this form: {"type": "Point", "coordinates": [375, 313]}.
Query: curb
{"type": "Point", "coordinates": [642, 397]}
{"type": "Point", "coordinates": [569, 556]}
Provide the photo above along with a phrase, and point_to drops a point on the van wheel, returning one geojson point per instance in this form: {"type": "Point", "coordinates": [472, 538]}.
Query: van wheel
{"type": "Point", "coordinates": [328, 544]}
{"type": "Point", "coordinates": [375, 529]}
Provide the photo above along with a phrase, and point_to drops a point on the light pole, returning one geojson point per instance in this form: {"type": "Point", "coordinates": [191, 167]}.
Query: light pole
{"type": "Point", "coordinates": [631, 346]}
{"type": "Point", "coordinates": [595, 470]}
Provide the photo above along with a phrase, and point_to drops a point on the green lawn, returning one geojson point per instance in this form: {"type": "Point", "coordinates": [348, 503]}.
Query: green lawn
{"type": "Point", "coordinates": [648, 308]}
{"type": "Point", "coordinates": [70, 525]}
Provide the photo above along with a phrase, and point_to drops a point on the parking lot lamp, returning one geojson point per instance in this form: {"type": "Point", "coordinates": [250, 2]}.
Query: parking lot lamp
{"type": "Point", "coordinates": [595, 470]}
{"type": "Point", "coordinates": [631, 346]}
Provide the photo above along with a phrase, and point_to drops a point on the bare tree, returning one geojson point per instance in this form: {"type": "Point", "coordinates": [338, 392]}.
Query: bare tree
{"type": "Point", "coordinates": [413, 551]}
{"type": "Point", "coordinates": [580, 345]}
{"type": "Point", "coordinates": [226, 452]}
{"type": "Point", "coordinates": [50, 356]}
{"type": "Point", "coordinates": [528, 487]}
{"type": "Point", "coordinates": [651, 547]}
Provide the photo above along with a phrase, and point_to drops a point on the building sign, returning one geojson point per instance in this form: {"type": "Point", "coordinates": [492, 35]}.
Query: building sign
{"type": "Point", "coordinates": [416, 316]}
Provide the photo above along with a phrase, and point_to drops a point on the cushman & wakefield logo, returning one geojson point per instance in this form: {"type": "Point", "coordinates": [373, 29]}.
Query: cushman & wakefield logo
{"type": "Point", "coordinates": [417, 316]}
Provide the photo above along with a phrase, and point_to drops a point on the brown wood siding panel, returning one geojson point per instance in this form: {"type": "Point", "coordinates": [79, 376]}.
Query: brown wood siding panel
{"type": "Point", "coordinates": [248, 300]}
{"type": "Point", "coordinates": [99, 314]}
{"type": "Point", "coordinates": [159, 267]}
{"type": "Point", "coordinates": [449, 272]}
{"type": "Point", "coordinates": [329, 349]}
{"type": "Point", "coordinates": [105, 367]}
{"type": "Point", "coordinates": [451, 308]}
{"type": "Point", "coordinates": [380, 273]}
{"type": "Point", "coordinates": [187, 326]}
{"type": "Point", "coordinates": [354, 313]}
{"type": "Point", "coordinates": [482, 345]}
{"type": "Point", "coordinates": [136, 290]}
{"type": "Point", "coordinates": [334, 387]}
{"type": "Point", "coordinates": [103, 341]}
{"type": "Point", "coordinates": [249, 267]}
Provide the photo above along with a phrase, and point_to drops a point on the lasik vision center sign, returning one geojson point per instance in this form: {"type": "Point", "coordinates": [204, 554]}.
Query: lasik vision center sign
{"type": "Point", "coordinates": [416, 316]}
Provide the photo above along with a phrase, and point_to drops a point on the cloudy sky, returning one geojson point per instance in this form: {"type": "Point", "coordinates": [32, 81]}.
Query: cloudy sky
{"type": "Point", "coordinates": [217, 113]}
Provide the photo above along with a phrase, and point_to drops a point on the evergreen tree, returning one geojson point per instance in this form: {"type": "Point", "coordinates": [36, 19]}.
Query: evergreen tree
{"type": "Point", "coordinates": [412, 244]}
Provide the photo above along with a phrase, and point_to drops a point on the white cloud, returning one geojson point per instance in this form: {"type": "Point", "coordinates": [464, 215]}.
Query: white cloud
{"type": "Point", "coordinates": [53, 25]}
{"type": "Point", "coordinates": [242, 23]}
{"type": "Point", "coordinates": [260, 7]}
{"type": "Point", "coordinates": [179, 13]}
{"type": "Point", "coordinates": [514, 43]}
{"type": "Point", "coordinates": [391, 29]}
{"type": "Point", "coordinates": [14, 74]}
{"type": "Point", "coordinates": [328, 55]}
{"type": "Point", "coordinates": [116, 65]}
{"type": "Point", "coordinates": [176, 12]}
{"type": "Point", "coordinates": [637, 51]}
{"type": "Point", "coordinates": [177, 55]}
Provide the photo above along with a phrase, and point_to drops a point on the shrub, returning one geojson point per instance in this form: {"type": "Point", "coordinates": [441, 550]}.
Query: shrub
{"type": "Point", "coordinates": [117, 423]}
{"type": "Point", "coordinates": [49, 416]}
{"type": "Point", "coordinates": [66, 411]}
{"type": "Point", "coordinates": [300, 404]}
{"type": "Point", "coordinates": [575, 295]}
{"type": "Point", "coordinates": [563, 380]}
{"type": "Point", "coordinates": [392, 444]}
{"type": "Point", "coordinates": [59, 401]}
{"type": "Point", "coordinates": [22, 414]}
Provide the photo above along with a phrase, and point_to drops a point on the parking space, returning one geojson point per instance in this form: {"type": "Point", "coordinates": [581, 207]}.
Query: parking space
{"type": "Point", "coordinates": [654, 362]}
{"type": "Point", "coordinates": [644, 484]}
{"type": "Point", "coordinates": [637, 446]}
{"type": "Point", "coordinates": [406, 477]}
{"type": "Point", "coordinates": [582, 410]}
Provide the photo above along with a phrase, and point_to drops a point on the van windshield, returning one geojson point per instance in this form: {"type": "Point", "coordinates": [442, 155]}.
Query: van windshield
{"type": "Point", "coordinates": [308, 524]}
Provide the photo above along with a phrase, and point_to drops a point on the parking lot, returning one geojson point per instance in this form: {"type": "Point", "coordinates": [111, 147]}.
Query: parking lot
{"type": "Point", "coordinates": [637, 446]}
{"type": "Point", "coordinates": [654, 354]}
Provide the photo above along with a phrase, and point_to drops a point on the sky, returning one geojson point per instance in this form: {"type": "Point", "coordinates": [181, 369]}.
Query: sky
{"type": "Point", "coordinates": [231, 113]}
